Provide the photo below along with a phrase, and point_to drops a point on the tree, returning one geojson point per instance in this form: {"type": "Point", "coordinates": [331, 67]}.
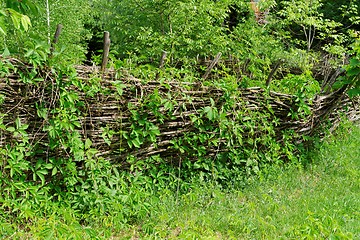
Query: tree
{"type": "Point", "coordinates": [45, 15]}
{"type": "Point", "coordinates": [182, 28]}
{"type": "Point", "coordinates": [303, 16]}
{"type": "Point", "coordinates": [72, 14]}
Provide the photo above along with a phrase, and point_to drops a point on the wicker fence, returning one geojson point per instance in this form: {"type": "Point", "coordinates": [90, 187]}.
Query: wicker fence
{"type": "Point", "coordinates": [102, 110]}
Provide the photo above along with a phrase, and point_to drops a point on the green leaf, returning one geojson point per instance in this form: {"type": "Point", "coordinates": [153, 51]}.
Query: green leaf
{"type": "Point", "coordinates": [353, 71]}
{"type": "Point", "coordinates": [136, 142]}
{"type": "Point", "coordinates": [54, 171]}
{"type": "Point", "coordinates": [25, 22]}
{"type": "Point", "coordinates": [42, 171]}
{"type": "Point", "coordinates": [18, 123]}
{"type": "Point", "coordinates": [2, 29]}
{"type": "Point", "coordinates": [29, 53]}
{"type": "Point", "coordinates": [15, 17]}
{"type": "Point", "coordinates": [42, 112]}
{"type": "Point", "coordinates": [76, 124]}
{"type": "Point", "coordinates": [208, 112]}
{"type": "Point", "coordinates": [41, 177]}
{"type": "Point", "coordinates": [24, 127]}
{"type": "Point", "coordinates": [38, 164]}
{"type": "Point", "coordinates": [87, 143]}
{"type": "Point", "coordinates": [48, 166]}
{"type": "Point", "coordinates": [119, 87]}
{"type": "Point", "coordinates": [354, 62]}
{"type": "Point", "coordinates": [354, 92]}
{"type": "Point", "coordinates": [6, 52]}
{"type": "Point", "coordinates": [10, 129]}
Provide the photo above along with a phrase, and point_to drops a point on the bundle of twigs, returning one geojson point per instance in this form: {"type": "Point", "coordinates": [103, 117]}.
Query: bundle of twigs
{"type": "Point", "coordinates": [107, 109]}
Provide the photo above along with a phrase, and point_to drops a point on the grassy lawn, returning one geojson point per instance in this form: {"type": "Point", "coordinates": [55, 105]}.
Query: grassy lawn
{"type": "Point", "coordinates": [318, 201]}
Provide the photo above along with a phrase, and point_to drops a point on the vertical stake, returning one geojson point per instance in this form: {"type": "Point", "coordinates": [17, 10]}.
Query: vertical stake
{"type": "Point", "coordinates": [161, 64]}
{"type": "Point", "coordinates": [212, 65]}
{"type": "Point", "coordinates": [162, 60]}
{"type": "Point", "coordinates": [56, 38]}
{"type": "Point", "coordinates": [105, 56]}
{"type": "Point", "coordinates": [273, 71]}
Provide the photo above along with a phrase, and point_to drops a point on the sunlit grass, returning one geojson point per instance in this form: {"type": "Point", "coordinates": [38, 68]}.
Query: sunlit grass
{"type": "Point", "coordinates": [321, 201]}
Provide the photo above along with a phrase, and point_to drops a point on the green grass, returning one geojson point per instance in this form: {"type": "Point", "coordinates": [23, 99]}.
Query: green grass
{"type": "Point", "coordinates": [318, 200]}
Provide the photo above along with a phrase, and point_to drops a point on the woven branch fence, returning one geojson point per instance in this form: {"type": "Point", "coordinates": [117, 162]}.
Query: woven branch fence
{"type": "Point", "coordinates": [108, 109]}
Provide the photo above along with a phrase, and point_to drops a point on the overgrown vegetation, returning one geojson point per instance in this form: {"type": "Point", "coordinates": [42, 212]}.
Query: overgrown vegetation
{"type": "Point", "coordinates": [316, 200]}
{"type": "Point", "coordinates": [228, 164]}
{"type": "Point", "coordinates": [319, 200]}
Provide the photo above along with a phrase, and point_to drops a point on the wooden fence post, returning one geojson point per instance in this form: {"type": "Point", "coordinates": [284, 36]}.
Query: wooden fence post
{"type": "Point", "coordinates": [273, 71]}
{"type": "Point", "coordinates": [212, 65]}
{"type": "Point", "coordinates": [105, 56]}
{"type": "Point", "coordinates": [56, 39]}
{"type": "Point", "coordinates": [161, 64]}
{"type": "Point", "coordinates": [162, 60]}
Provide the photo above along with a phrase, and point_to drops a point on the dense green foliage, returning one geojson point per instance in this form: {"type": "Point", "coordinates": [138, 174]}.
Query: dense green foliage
{"type": "Point", "coordinates": [59, 196]}
{"type": "Point", "coordinates": [44, 16]}
{"type": "Point", "coordinates": [33, 171]}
